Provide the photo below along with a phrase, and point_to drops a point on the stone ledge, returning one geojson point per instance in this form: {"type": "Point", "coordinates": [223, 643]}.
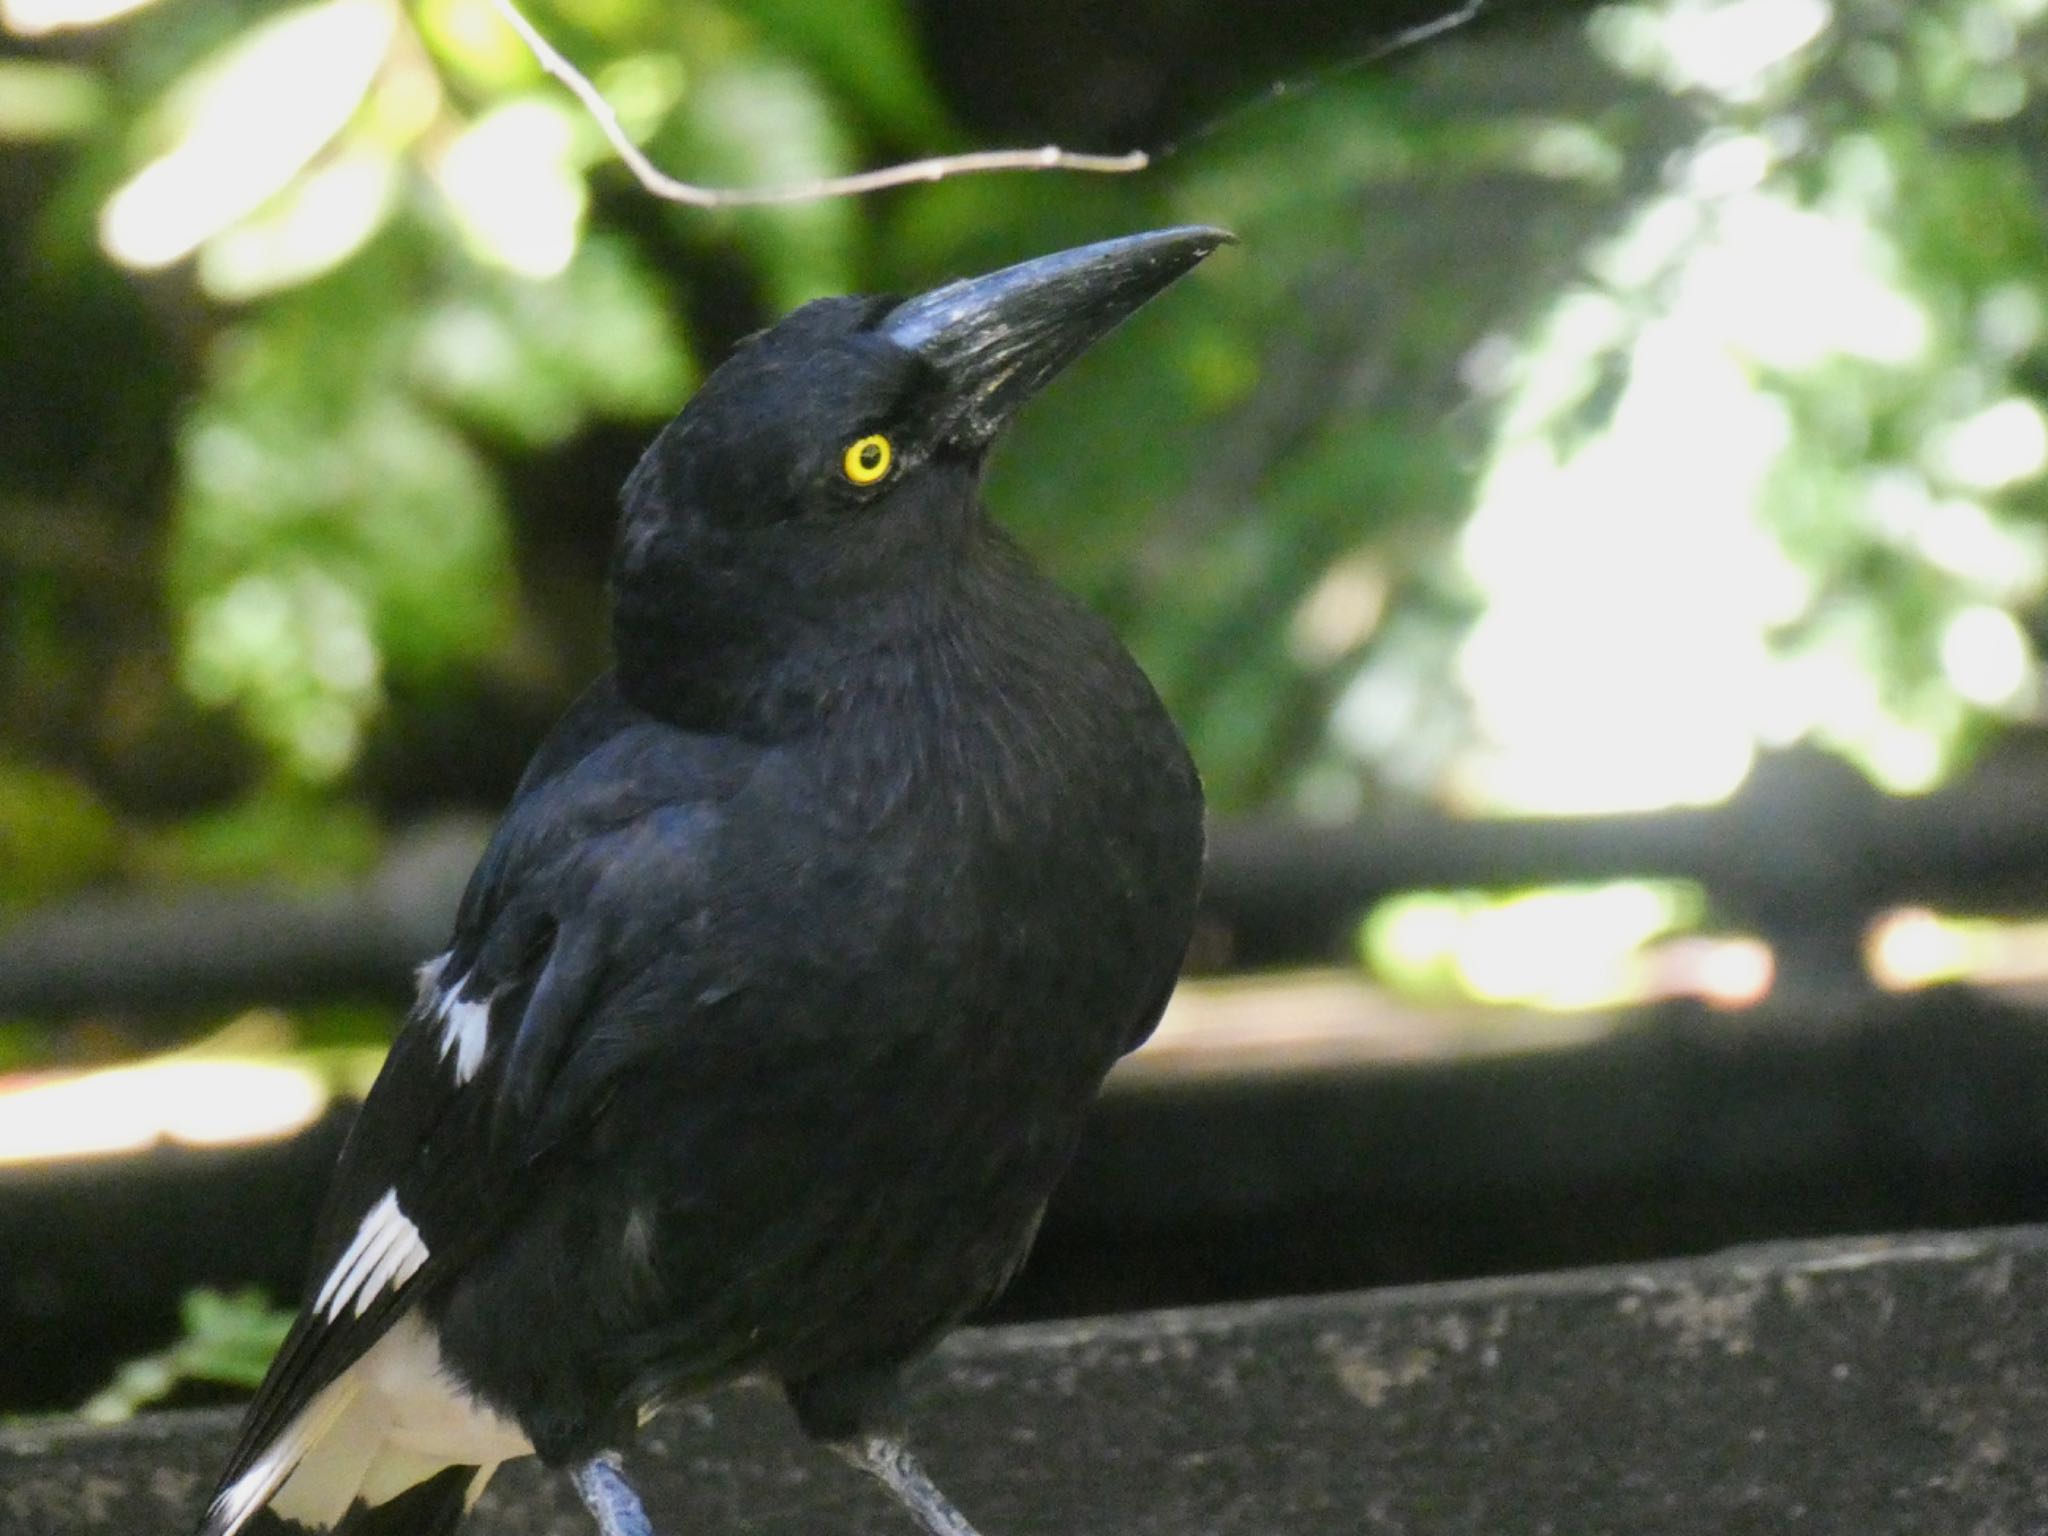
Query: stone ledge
{"type": "Point", "coordinates": [1895, 1385]}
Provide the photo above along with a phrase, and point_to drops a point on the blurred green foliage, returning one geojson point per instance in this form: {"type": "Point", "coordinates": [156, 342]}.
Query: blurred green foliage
{"type": "Point", "coordinates": [1595, 400]}
{"type": "Point", "coordinates": [55, 835]}
{"type": "Point", "coordinates": [227, 1340]}
{"type": "Point", "coordinates": [1600, 396]}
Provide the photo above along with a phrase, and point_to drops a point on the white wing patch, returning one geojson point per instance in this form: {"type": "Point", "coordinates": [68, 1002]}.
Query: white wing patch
{"type": "Point", "coordinates": [428, 977]}
{"type": "Point", "coordinates": [387, 1251]}
{"type": "Point", "coordinates": [465, 1030]}
{"type": "Point", "coordinates": [465, 1023]}
{"type": "Point", "coordinates": [241, 1499]}
{"type": "Point", "coordinates": [393, 1419]}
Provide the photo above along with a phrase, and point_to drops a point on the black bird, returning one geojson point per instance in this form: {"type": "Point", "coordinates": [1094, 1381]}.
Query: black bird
{"type": "Point", "coordinates": [772, 1012]}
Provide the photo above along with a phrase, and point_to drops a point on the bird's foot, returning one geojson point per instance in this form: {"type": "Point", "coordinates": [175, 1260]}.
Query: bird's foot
{"type": "Point", "coordinates": [602, 1486]}
{"type": "Point", "coordinates": [889, 1462]}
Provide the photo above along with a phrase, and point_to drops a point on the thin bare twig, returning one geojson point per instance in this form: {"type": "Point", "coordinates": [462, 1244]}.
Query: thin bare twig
{"type": "Point", "coordinates": [668, 188]}
{"type": "Point", "coordinates": [1394, 42]}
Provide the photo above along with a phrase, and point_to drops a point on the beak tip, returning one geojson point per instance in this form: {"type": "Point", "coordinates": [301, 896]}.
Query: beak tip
{"type": "Point", "coordinates": [1211, 237]}
{"type": "Point", "coordinates": [1182, 247]}
{"type": "Point", "coordinates": [1200, 242]}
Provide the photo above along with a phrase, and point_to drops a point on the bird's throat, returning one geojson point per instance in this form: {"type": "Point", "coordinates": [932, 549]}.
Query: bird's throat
{"type": "Point", "coordinates": [768, 654]}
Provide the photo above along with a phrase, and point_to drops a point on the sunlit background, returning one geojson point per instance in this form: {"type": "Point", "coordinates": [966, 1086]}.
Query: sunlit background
{"type": "Point", "coordinates": [1604, 402]}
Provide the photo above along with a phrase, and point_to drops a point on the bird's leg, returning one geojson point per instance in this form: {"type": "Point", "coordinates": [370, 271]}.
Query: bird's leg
{"type": "Point", "coordinates": [602, 1486]}
{"type": "Point", "coordinates": [889, 1462]}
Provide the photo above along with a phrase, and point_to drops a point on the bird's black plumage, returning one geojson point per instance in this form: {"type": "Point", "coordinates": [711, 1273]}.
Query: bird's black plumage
{"type": "Point", "coordinates": [772, 1012]}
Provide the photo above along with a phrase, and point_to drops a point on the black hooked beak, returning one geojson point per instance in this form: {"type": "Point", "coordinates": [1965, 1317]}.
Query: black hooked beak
{"type": "Point", "coordinates": [996, 340]}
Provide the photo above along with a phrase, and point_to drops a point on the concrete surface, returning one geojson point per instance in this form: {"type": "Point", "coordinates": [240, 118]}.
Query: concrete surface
{"type": "Point", "coordinates": [1896, 1385]}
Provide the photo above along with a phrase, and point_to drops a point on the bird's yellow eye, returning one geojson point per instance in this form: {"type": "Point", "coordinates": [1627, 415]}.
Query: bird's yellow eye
{"type": "Point", "coordinates": [868, 459]}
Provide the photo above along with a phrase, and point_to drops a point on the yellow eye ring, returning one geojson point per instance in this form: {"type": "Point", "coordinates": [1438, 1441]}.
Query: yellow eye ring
{"type": "Point", "coordinates": [867, 459]}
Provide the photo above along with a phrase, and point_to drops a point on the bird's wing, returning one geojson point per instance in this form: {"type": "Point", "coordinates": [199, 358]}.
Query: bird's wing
{"type": "Point", "coordinates": [1146, 1020]}
{"type": "Point", "coordinates": [510, 1044]}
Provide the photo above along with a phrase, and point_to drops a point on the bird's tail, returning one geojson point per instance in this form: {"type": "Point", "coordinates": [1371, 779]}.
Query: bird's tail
{"type": "Point", "coordinates": [432, 1508]}
{"type": "Point", "coordinates": [383, 1434]}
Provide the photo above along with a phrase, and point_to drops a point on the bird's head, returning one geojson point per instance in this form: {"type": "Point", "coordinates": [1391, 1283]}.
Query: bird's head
{"type": "Point", "coordinates": [842, 447]}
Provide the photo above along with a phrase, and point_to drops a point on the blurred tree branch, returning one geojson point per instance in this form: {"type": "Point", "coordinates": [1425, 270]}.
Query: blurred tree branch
{"type": "Point", "coordinates": [1278, 891]}
{"type": "Point", "coordinates": [662, 185]}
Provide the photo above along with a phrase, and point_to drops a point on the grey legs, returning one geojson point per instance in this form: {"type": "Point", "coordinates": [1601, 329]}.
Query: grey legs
{"type": "Point", "coordinates": [890, 1463]}
{"type": "Point", "coordinates": [610, 1498]}
{"type": "Point", "coordinates": [616, 1507]}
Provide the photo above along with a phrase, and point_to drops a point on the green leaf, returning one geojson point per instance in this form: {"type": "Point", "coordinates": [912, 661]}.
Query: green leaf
{"type": "Point", "coordinates": [276, 832]}
{"type": "Point", "coordinates": [866, 49]}
{"type": "Point", "coordinates": [55, 836]}
{"type": "Point", "coordinates": [536, 361]}
{"type": "Point", "coordinates": [758, 121]}
{"type": "Point", "coordinates": [229, 1338]}
{"type": "Point", "coordinates": [245, 123]}
{"type": "Point", "coordinates": [41, 101]}
{"type": "Point", "coordinates": [328, 526]}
